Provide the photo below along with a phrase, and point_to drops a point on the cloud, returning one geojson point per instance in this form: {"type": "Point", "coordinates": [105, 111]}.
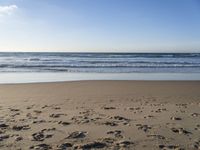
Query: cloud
{"type": "Point", "coordinates": [7, 10]}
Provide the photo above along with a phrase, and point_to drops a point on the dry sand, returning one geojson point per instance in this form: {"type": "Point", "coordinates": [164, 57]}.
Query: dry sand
{"type": "Point", "coordinates": [100, 114]}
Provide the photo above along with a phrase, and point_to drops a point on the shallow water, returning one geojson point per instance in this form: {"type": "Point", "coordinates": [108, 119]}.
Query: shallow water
{"type": "Point", "coordinates": [54, 77]}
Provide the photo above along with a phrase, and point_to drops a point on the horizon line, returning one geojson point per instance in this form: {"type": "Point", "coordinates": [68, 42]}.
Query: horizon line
{"type": "Point", "coordinates": [92, 52]}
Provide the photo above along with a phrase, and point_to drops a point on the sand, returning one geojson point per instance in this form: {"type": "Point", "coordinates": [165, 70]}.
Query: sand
{"type": "Point", "coordinates": [100, 115]}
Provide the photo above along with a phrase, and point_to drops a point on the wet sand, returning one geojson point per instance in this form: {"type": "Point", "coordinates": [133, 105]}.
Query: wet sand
{"type": "Point", "coordinates": [100, 115]}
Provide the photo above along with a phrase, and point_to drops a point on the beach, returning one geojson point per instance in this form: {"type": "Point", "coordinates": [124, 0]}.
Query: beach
{"type": "Point", "coordinates": [107, 75]}
{"type": "Point", "coordinates": [100, 115]}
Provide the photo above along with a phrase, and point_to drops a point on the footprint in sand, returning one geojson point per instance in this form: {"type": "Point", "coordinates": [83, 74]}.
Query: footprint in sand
{"type": "Point", "coordinates": [64, 123]}
{"type": "Point", "coordinates": [30, 107]}
{"type": "Point", "coordinates": [159, 110]}
{"type": "Point", "coordinates": [149, 117]}
{"type": "Point", "coordinates": [56, 115]}
{"type": "Point", "coordinates": [120, 118]}
{"type": "Point", "coordinates": [124, 143]}
{"type": "Point", "coordinates": [30, 116]}
{"type": "Point", "coordinates": [39, 121]}
{"type": "Point", "coordinates": [20, 127]}
{"type": "Point", "coordinates": [196, 145]}
{"type": "Point", "coordinates": [45, 106]}
{"type": "Point", "coordinates": [77, 135]}
{"type": "Point", "coordinates": [176, 118]}
{"type": "Point", "coordinates": [195, 114]}
{"type": "Point", "coordinates": [18, 138]}
{"type": "Point", "coordinates": [91, 145]}
{"type": "Point", "coordinates": [181, 131]}
{"type": "Point", "coordinates": [145, 128]}
{"type": "Point", "coordinates": [197, 127]}
{"type": "Point", "coordinates": [156, 136]}
{"type": "Point", "coordinates": [116, 133]}
{"type": "Point", "coordinates": [3, 137]}
{"type": "Point", "coordinates": [56, 108]}
{"type": "Point", "coordinates": [15, 114]}
{"type": "Point", "coordinates": [64, 146]}
{"type": "Point", "coordinates": [37, 111]}
{"type": "Point", "coordinates": [41, 147]}
{"type": "Point", "coordinates": [109, 108]}
{"type": "Point", "coordinates": [41, 135]}
{"type": "Point", "coordinates": [3, 126]}
{"type": "Point", "coordinates": [169, 147]}
{"type": "Point", "coordinates": [12, 109]}
{"type": "Point", "coordinates": [110, 123]}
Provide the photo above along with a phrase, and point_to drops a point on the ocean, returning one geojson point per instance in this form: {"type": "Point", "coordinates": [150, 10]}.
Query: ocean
{"type": "Point", "coordinates": [101, 62]}
{"type": "Point", "coordinates": [53, 67]}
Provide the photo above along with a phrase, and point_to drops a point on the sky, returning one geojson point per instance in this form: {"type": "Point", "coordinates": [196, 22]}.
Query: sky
{"type": "Point", "coordinates": [100, 25]}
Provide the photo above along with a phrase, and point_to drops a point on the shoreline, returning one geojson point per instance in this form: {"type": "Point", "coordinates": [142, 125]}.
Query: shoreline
{"type": "Point", "coordinates": [86, 81]}
{"type": "Point", "coordinates": [102, 114]}
{"type": "Point", "coordinates": [9, 78]}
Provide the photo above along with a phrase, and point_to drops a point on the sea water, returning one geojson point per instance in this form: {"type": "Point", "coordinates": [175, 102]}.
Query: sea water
{"type": "Point", "coordinates": [47, 67]}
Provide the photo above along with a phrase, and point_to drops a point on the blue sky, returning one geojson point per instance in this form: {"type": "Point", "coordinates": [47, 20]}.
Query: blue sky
{"type": "Point", "coordinates": [100, 25]}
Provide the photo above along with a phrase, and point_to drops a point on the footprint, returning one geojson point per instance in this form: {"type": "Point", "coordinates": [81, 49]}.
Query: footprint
{"type": "Point", "coordinates": [195, 114]}
{"type": "Point", "coordinates": [124, 143]}
{"type": "Point", "coordinates": [116, 133]}
{"type": "Point", "coordinates": [64, 146]}
{"type": "Point", "coordinates": [77, 134]}
{"type": "Point", "coordinates": [37, 111]}
{"type": "Point", "coordinates": [180, 131]}
{"type": "Point", "coordinates": [176, 118]}
{"type": "Point", "coordinates": [41, 147]}
{"type": "Point", "coordinates": [109, 108]}
{"type": "Point", "coordinates": [168, 146]}
{"type": "Point", "coordinates": [22, 127]}
{"type": "Point", "coordinates": [18, 138]}
{"type": "Point", "coordinates": [157, 136]}
{"type": "Point", "coordinates": [12, 109]}
{"type": "Point", "coordinates": [145, 127]}
{"type": "Point", "coordinates": [56, 115]}
{"type": "Point", "coordinates": [3, 125]}
{"type": "Point", "coordinates": [92, 145]}
{"type": "Point", "coordinates": [64, 123]}
{"type": "Point", "coordinates": [110, 123]}
{"type": "Point", "coordinates": [41, 136]}
{"type": "Point", "coordinates": [3, 137]}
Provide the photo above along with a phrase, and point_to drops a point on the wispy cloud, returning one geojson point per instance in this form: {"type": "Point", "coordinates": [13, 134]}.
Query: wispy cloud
{"type": "Point", "coordinates": [7, 10]}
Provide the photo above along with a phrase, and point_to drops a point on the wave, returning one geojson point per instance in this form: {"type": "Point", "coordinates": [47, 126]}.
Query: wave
{"type": "Point", "coordinates": [99, 62]}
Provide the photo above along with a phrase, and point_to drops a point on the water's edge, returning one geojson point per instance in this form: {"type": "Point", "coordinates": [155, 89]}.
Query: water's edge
{"type": "Point", "coordinates": [7, 78]}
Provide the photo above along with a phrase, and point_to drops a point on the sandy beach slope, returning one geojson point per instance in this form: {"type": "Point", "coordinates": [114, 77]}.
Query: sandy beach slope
{"type": "Point", "coordinates": [100, 115]}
